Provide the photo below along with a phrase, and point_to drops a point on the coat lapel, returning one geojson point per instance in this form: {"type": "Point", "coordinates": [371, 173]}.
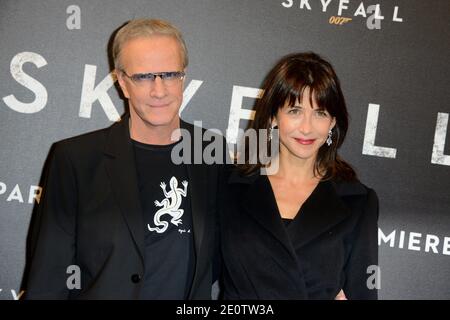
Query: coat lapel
{"type": "Point", "coordinates": [321, 211]}
{"type": "Point", "coordinates": [121, 168]}
{"type": "Point", "coordinates": [258, 201]}
{"type": "Point", "coordinates": [198, 178]}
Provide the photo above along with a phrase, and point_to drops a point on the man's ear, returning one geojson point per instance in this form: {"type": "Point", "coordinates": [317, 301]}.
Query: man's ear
{"type": "Point", "coordinates": [122, 83]}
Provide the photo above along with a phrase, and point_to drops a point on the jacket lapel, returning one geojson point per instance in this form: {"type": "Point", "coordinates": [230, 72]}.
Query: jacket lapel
{"type": "Point", "coordinates": [321, 211]}
{"type": "Point", "coordinates": [258, 201]}
{"type": "Point", "coordinates": [198, 178]}
{"type": "Point", "coordinates": [121, 169]}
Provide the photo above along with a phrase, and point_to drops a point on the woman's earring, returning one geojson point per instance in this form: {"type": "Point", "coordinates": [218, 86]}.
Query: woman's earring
{"type": "Point", "coordinates": [271, 133]}
{"type": "Point", "coordinates": [329, 141]}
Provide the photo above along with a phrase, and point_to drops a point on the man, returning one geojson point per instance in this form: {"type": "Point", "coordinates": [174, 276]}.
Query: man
{"type": "Point", "coordinates": [118, 219]}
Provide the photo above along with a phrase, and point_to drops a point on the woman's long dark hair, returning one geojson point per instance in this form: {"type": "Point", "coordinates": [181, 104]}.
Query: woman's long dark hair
{"type": "Point", "coordinates": [285, 83]}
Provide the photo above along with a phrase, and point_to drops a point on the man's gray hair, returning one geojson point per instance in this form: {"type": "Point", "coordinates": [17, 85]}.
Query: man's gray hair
{"type": "Point", "coordinates": [145, 28]}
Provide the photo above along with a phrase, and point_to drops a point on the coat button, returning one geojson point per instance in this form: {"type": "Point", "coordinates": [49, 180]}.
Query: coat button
{"type": "Point", "coordinates": [135, 278]}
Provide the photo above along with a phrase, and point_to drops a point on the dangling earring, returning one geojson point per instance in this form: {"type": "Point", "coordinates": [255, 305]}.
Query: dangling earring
{"type": "Point", "coordinates": [329, 141]}
{"type": "Point", "coordinates": [271, 133]}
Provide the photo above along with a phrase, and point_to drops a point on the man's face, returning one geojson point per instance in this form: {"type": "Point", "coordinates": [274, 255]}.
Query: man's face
{"type": "Point", "coordinates": [152, 103]}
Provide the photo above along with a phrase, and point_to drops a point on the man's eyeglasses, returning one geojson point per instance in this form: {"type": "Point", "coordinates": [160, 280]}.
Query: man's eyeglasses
{"type": "Point", "coordinates": [144, 79]}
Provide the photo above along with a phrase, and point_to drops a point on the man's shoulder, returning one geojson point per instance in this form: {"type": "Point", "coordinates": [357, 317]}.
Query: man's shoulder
{"type": "Point", "coordinates": [89, 140]}
{"type": "Point", "coordinates": [194, 128]}
{"type": "Point", "coordinates": [96, 136]}
{"type": "Point", "coordinates": [84, 139]}
{"type": "Point", "coordinates": [87, 143]}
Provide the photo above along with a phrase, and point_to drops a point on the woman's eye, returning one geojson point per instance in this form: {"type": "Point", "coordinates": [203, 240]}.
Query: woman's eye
{"type": "Point", "coordinates": [294, 111]}
{"type": "Point", "coordinates": [322, 113]}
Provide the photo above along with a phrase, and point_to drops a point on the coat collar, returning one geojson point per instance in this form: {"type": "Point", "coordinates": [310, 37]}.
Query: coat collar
{"type": "Point", "coordinates": [324, 209]}
{"type": "Point", "coordinates": [121, 168]}
{"type": "Point", "coordinates": [320, 212]}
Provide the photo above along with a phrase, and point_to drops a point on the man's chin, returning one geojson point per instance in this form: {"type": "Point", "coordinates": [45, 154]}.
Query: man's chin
{"type": "Point", "coordinates": [163, 122]}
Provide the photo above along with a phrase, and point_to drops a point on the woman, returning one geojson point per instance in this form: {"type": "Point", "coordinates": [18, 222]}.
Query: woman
{"type": "Point", "coordinates": [308, 231]}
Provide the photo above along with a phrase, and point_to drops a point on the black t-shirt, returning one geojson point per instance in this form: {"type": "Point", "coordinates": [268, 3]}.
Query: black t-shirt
{"type": "Point", "coordinates": [165, 197]}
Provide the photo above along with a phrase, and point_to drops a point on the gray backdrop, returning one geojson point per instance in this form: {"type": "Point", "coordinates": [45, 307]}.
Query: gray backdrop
{"type": "Point", "coordinates": [395, 74]}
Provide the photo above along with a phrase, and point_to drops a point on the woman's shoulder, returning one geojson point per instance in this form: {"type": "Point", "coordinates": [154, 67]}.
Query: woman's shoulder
{"type": "Point", "coordinates": [351, 188]}
{"type": "Point", "coordinates": [349, 191]}
{"type": "Point", "coordinates": [358, 196]}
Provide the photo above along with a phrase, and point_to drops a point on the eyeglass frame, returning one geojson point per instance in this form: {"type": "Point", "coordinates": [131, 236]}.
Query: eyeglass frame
{"type": "Point", "coordinates": [178, 75]}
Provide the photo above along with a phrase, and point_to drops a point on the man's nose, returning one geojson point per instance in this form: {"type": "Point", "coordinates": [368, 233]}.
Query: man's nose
{"type": "Point", "coordinates": [158, 89]}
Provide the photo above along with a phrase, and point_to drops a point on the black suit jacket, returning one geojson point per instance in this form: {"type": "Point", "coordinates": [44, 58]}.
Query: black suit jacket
{"type": "Point", "coordinates": [90, 216]}
{"type": "Point", "coordinates": [331, 245]}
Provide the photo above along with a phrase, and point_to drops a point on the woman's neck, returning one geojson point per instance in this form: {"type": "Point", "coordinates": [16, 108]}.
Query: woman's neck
{"type": "Point", "coordinates": [296, 169]}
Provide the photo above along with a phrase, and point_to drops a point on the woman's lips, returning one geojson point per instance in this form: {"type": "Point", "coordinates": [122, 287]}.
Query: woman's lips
{"type": "Point", "coordinates": [305, 141]}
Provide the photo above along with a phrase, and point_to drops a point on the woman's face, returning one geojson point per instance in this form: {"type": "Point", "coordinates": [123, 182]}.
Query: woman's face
{"type": "Point", "coordinates": [303, 128]}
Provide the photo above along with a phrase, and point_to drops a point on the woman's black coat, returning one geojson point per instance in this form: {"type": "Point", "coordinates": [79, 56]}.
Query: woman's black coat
{"type": "Point", "coordinates": [330, 245]}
